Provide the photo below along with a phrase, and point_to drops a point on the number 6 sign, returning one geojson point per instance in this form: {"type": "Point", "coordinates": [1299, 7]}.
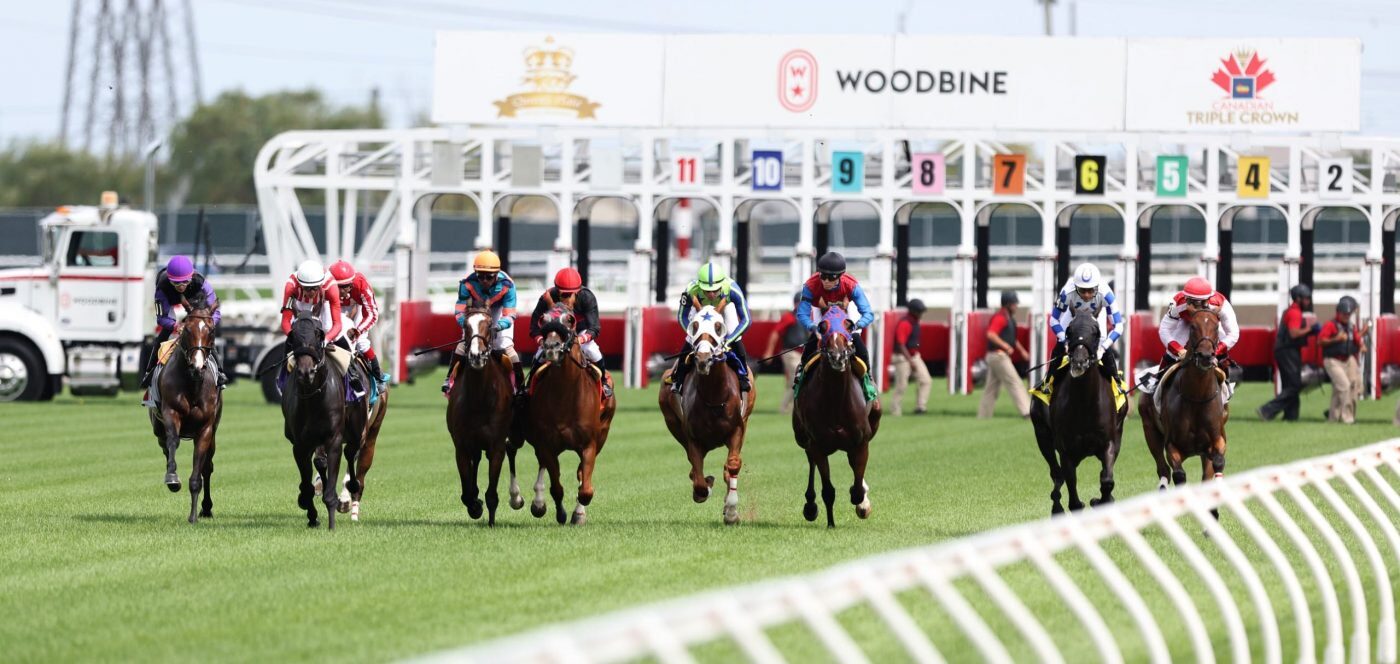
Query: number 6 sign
{"type": "Point", "coordinates": [687, 169]}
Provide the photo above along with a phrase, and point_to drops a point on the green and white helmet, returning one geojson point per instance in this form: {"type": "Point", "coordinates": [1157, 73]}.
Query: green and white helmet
{"type": "Point", "coordinates": [711, 277]}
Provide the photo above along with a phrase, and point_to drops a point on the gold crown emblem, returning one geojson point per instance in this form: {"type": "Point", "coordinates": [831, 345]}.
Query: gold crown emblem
{"type": "Point", "coordinates": [547, 66]}
{"type": "Point", "coordinates": [547, 76]}
{"type": "Point", "coordinates": [1242, 56]}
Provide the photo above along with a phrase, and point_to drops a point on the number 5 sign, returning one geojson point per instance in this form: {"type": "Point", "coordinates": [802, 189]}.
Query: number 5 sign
{"type": "Point", "coordinates": [1009, 174]}
{"type": "Point", "coordinates": [1171, 175]}
{"type": "Point", "coordinates": [929, 173]}
{"type": "Point", "coordinates": [687, 169]}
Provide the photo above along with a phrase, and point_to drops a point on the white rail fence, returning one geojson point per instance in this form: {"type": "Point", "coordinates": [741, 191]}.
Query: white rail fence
{"type": "Point", "coordinates": [1294, 562]}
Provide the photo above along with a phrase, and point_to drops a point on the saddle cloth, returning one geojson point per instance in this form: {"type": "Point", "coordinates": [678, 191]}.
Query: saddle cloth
{"type": "Point", "coordinates": [1120, 395]}
{"type": "Point", "coordinates": [858, 367]}
{"type": "Point", "coordinates": [1226, 388]}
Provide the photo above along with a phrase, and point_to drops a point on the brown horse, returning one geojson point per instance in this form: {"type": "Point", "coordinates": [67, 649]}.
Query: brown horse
{"type": "Point", "coordinates": [479, 416]}
{"type": "Point", "coordinates": [359, 463]}
{"type": "Point", "coordinates": [567, 411]}
{"type": "Point", "coordinates": [1193, 412]}
{"type": "Point", "coordinates": [190, 407]}
{"type": "Point", "coordinates": [832, 415]}
{"type": "Point", "coordinates": [710, 412]}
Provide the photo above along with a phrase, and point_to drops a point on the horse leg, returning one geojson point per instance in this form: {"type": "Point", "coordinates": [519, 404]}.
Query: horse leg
{"type": "Point", "coordinates": [202, 444]}
{"type": "Point", "coordinates": [207, 507]}
{"type": "Point", "coordinates": [1175, 459]}
{"type": "Point", "coordinates": [306, 498]}
{"type": "Point", "coordinates": [556, 489]}
{"type": "Point", "coordinates": [699, 484]}
{"type": "Point", "coordinates": [860, 491]}
{"type": "Point", "coordinates": [1155, 445]}
{"type": "Point", "coordinates": [1045, 440]}
{"type": "Point", "coordinates": [1213, 466]}
{"type": "Point", "coordinates": [1071, 476]}
{"type": "Point", "coordinates": [732, 465]}
{"type": "Point", "coordinates": [828, 489]}
{"type": "Point", "coordinates": [537, 507]}
{"type": "Point", "coordinates": [494, 459]}
{"type": "Point", "coordinates": [517, 501]}
{"type": "Point", "coordinates": [586, 458]}
{"type": "Point", "coordinates": [172, 443]}
{"type": "Point", "coordinates": [1110, 456]}
{"type": "Point", "coordinates": [363, 461]}
{"type": "Point", "coordinates": [466, 470]}
{"type": "Point", "coordinates": [809, 508]}
{"type": "Point", "coordinates": [328, 493]}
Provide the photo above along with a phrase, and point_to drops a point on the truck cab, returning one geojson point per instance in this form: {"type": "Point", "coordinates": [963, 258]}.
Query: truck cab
{"type": "Point", "coordinates": [85, 312]}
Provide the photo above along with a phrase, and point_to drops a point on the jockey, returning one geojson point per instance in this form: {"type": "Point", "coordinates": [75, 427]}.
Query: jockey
{"type": "Point", "coordinates": [356, 297]}
{"type": "Point", "coordinates": [172, 283]}
{"type": "Point", "coordinates": [1175, 329]}
{"type": "Point", "coordinates": [568, 288]}
{"type": "Point", "coordinates": [1086, 290]}
{"type": "Point", "coordinates": [487, 286]}
{"type": "Point", "coordinates": [311, 290]}
{"type": "Point", "coordinates": [832, 285]}
{"type": "Point", "coordinates": [712, 287]}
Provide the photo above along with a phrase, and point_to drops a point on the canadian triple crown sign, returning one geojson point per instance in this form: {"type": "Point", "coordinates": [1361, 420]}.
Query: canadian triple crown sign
{"type": "Point", "coordinates": [548, 75]}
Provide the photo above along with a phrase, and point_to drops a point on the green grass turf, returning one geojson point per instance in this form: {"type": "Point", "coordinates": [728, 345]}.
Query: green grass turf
{"type": "Point", "coordinates": [98, 563]}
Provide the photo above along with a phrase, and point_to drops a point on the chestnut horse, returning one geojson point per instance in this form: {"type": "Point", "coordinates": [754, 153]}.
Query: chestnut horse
{"type": "Point", "coordinates": [1082, 419]}
{"type": "Point", "coordinates": [833, 415]}
{"type": "Point", "coordinates": [190, 407]}
{"type": "Point", "coordinates": [1193, 414]}
{"type": "Point", "coordinates": [479, 416]}
{"type": "Point", "coordinates": [710, 411]}
{"type": "Point", "coordinates": [567, 411]}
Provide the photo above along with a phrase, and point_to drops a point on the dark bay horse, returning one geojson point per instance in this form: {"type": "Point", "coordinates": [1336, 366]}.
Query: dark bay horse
{"type": "Point", "coordinates": [567, 411]}
{"type": "Point", "coordinates": [710, 411]}
{"type": "Point", "coordinates": [831, 415]}
{"type": "Point", "coordinates": [318, 416]}
{"type": "Point", "coordinates": [350, 500]}
{"type": "Point", "coordinates": [1082, 419]}
{"type": "Point", "coordinates": [479, 416]}
{"type": "Point", "coordinates": [190, 407]}
{"type": "Point", "coordinates": [1193, 414]}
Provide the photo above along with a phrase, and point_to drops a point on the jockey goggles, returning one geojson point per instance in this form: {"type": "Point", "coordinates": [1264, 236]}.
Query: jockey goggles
{"type": "Point", "coordinates": [1086, 293]}
{"type": "Point", "coordinates": [486, 276]}
{"type": "Point", "coordinates": [831, 276]}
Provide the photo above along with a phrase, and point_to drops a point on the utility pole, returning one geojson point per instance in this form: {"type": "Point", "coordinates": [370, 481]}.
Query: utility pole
{"type": "Point", "coordinates": [1049, 28]}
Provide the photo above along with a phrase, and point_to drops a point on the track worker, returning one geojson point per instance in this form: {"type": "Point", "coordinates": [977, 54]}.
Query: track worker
{"type": "Point", "coordinates": [1294, 327]}
{"type": "Point", "coordinates": [1002, 350]}
{"type": "Point", "coordinates": [1342, 345]}
{"type": "Point", "coordinates": [906, 360]}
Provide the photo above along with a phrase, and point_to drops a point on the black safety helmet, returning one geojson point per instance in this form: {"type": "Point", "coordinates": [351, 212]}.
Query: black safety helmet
{"type": "Point", "coordinates": [1347, 304]}
{"type": "Point", "coordinates": [1008, 297]}
{"type": "Point", "coordinates": [1299, 292]}
{"type": "Point", "coordinates": [916, 306]}
{"type": "Point", "coordinates": [831, 263]}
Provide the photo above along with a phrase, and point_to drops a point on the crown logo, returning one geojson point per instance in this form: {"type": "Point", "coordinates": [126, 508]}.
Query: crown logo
{"type": "Point", "coordinates": [548, 76]}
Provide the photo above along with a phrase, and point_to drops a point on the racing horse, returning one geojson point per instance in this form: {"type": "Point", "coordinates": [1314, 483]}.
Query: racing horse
{"type": "Point", "coordinates": [566, 411]}
{"type": "Point", "coordinates": [350, 501]}
{"type": "Point", "coordinates": [190, 406]}
{"type": "Point", "coordinates": [1082, 419]}
{"type": "Point", "coordinates": [832, 414]}
{"type": "Point", "coordinates": [712, 412]}
{"type": "Point", "coordinates": [479, 416]}
{"type": "Point", "coordinates": [1186, 416]}
{"type": "Point", "coordinates": [318, 415]}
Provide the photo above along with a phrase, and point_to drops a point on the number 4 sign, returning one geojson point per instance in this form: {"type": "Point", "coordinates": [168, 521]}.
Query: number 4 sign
{"type": "Point", "coordinates": [929, 173]}
{"type": "Point", "coordinates": [1334, 179]}
{"type": "Point", "coordinates": [1253, 175]}
{"type": "Point", "coordinates": [687, 169]}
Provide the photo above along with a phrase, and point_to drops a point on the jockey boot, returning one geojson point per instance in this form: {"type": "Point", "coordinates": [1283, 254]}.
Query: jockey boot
{"type": "Point", "coordinates": [678, 376]}
{"type": "Point", "coordinates": [519, 370]}
{"type": "Point", "coordinates": [606, 378]}
{"type": "Point", "coordinates": [376, 375]}
{"type": "Point", "coordinates": [146, 378]}
{"type": "Point", "coordinates": [451, 371]}
{"type": "Point", "coordinates": [744, 383]}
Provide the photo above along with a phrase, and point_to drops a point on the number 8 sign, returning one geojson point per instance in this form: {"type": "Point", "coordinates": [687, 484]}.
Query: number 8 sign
{"type": "Point", "coordinates": [929, 173]}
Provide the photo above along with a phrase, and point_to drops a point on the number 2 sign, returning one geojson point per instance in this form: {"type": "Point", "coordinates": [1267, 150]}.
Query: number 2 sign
{"type": "Point", "coordinates": [1009, 174]}
{"type": "Point", "coordinates": [687, 169]}
{"type": "Point", "coordinates": [929, 173]}
{"type": "Point", "coordinates": [1334, 179]}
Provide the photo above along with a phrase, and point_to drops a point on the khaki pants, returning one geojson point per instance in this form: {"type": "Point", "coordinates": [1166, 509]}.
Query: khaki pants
{"type": "Point", "coordinates": [1001, 372]}
{"type": "Point", "coordinates": [790, 362]}
{"type": "Point", "coordinates": [1346, 388]}
{"type": "Point", "coordinates": [903, 366]}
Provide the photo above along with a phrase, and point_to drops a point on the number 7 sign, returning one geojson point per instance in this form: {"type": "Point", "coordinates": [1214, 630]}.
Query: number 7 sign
{"type": "Point", "coordinates": [1009, 174]}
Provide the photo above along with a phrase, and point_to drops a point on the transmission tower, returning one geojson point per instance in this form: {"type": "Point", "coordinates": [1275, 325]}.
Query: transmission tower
{"type": "Point", "coordinates": [133, 69]}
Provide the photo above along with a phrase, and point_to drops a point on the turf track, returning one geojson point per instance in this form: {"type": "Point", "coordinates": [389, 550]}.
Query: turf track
{"type": "Point", "coordinates": [99, 564]}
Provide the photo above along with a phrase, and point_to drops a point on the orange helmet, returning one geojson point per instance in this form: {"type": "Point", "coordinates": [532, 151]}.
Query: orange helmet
{"type": "Point", "coordinates": [342, 272]}
{"type": "Point", "coordinates": [486, 261]}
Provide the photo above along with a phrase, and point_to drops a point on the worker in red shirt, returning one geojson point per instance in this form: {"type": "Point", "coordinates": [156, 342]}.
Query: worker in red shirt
{"type": "Point", "coordinates": [906, 360]}
{"type": "Point", "coordinates": [1003, 348]}
{"type": "Point", "coordinates": [791, 335]}
{"type": "Point", "coordinates": [1342, 345]}
{"type": "Point", "coordinates": [1297, 324]}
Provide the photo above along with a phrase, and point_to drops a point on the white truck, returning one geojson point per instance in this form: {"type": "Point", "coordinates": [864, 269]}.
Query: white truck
{"type": "Point", "coordinates": [86, 314]}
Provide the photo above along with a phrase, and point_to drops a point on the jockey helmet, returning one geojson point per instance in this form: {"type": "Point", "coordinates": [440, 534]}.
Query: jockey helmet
{"type": "Point", "coordinates": [1086, 277]}
{"type": "Point", "coordinates": [486, 261]}
{"type": "Point", "coordinates": [1299, 292]}
{"type": "Point", "coordinates": [343, 272]}
{"type": "Point", "coordinates": [831, 263]}
{"type": "Point", "coordinates": [1198, 288]}
{"type": "Point", "coordinates": [1347, 304]}
{"type": "Point", "coordinates": [180, 269]}
{"type": "Point", "coordinates": [568, 280]}
{"type": "Point", "coordinates": [711, 277]}
{"type": "Point", "coordinates": [311, 274]}
{"type": "Point", "coordinates": [917, 306]}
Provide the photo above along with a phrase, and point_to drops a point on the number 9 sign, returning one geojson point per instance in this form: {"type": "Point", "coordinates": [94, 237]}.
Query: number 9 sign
{"type": "Point", "coordinates": [847, 172]}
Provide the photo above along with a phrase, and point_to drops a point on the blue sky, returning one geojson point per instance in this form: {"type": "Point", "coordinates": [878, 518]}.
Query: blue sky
{"type": "Point", "coordinates": [346, 47]}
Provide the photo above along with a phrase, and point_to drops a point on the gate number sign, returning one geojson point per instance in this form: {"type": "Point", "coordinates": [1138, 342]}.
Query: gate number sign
{"type": "Point", "coordinates": [929, 173]}
{"type": "Point", "coordinates": [847, 172]}
{"type": "Point", "coordinates": [687, 169]}
{"type": "Point", "coordinates": [1334, 179]}
{"type": "Point", "coordinates": [767, 170]}
{"type": "Point", "coordinates": [1171, 175]}
{"type": "Point", "coordinates": [1089, 174]}
{"type": "Point", "coordinates": [1009, 174]}
{"type": "Point", "coordinates": [1252, 175]}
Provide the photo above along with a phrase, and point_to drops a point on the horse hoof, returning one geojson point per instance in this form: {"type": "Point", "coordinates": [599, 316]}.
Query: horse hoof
{"type": "Point", "coordinates": [1056, 509]}
{"type": "Point", "coordinates": [1075, 507]}
{"type": "Point", "coordinates": [731, 515]}
{"type": "Point", "coordinates": [700, 495]}
{"type": "Point", "coordinates": [710, 481]}
{"type": "Point", "coordinates": [809, 511]}
{"type": "Point", "coordinates": [206, 513]}
{"type": "Point", "coordinates": [313, 523]}
{"type": "Point", "coordinates": [343, 507]}
{"type": "Point", "coordinates": [473, 508]}
{"type": "Point", "coordinates": [537, 510]}
{"type": "Point", "coordinates": [193, 519]}
{"type": "Point", "coordinates": [578, 519]}
{"type": "Point", "coordinates": [172, 482]}
{"type": "Point", "coordinates": [1094, 502]}
{"type": "Point", "coordinates": [355, 510]}
{"type": "Point", "coordinates": [863, 510]}
{"type": "Point", "coordinates": [518, 501]}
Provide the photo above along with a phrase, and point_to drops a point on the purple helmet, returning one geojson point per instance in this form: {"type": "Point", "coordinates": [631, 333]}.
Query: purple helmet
{"type": "Point", "coordinates": [180, 269]}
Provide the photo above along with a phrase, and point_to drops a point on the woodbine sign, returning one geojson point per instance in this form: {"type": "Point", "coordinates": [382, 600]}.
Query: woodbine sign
{"type": "Point", "coordinates": [874, 82]}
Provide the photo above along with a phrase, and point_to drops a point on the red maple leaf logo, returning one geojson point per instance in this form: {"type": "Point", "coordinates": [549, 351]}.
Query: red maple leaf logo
{"type": "Point", "coordinates": [1263, 78]}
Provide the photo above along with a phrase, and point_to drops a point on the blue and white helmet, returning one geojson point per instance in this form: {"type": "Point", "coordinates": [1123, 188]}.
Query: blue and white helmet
{"type": "Point", "coordinates": [1086, 276]}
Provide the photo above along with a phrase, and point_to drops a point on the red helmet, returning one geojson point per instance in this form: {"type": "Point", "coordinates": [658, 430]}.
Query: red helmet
{"type": "Point", "coordinates": [568, 280]}
{"type": "Point", "coordinates": [342, 272]}
{"type": "Point", "coordinates": [1197, 288]}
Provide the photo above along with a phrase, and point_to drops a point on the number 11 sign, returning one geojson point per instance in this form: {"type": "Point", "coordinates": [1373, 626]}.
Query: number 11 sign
{"type": "Point", "coordinates": [687, 169]}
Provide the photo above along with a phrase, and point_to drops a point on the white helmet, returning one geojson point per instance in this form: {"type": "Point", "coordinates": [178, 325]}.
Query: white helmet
{"type": "Point", "coordinates": [1086, 276]}
{"type": "Point", "coordinates": [311, 273]}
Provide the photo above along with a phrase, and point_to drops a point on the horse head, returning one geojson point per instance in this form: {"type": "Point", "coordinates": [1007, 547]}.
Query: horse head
{"type": "Point", "coordinates": [197, 338]}
{"type": "Point", "coordinates": [835, 330]}
{"type": "Point", "coordinates": [1205, 336]}
{"type": "Point", "coordinates": [1082, 342]}
{"type": "Point", "coordinates": [706, 334]}
{"type": "Point", "coordinates": [480, 332]}
{"type": "Point", "coordinates": [308, 345]}
{"type": "Point", "coordinates": [557, 325]}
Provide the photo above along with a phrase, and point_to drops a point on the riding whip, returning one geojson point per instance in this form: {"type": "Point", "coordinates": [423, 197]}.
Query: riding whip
{"type": "Point", "coordinates": [436, 348]}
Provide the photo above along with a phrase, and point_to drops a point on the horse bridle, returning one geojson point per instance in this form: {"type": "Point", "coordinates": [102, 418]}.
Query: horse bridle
{"type": "Point", "coordinates": [187, 350]}
{"type": "Point", "coordinates": [486, 339]}
{"type": "Point", "coordinates": [317, 353]}
{"type": "Point", "coordinates": [565, 332]}
{"type": "Point", "coordinates": [1212, 343]}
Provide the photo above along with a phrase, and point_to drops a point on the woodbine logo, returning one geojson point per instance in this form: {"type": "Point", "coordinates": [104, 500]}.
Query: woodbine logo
{"type": "Point", "coordinates": [798, 81]}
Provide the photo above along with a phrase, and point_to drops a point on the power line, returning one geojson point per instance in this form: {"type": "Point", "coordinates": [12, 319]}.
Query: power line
{"type": "Point", "coordinates": [275, 53]}
{"type": "Point", "coordinates": [433, 14]}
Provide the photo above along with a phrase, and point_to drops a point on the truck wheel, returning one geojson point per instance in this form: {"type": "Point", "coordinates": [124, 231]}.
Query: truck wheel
{"type": "Point", "coordinates": [23, 376]}
{"type": "Point", "coordinates": [267, 377]}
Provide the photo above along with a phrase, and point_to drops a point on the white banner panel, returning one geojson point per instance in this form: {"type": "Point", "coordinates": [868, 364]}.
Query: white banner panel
{"type": "Point", "coordinates": [1244, 85]}
{"type": "Point", "coordinates": [544, 79]}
